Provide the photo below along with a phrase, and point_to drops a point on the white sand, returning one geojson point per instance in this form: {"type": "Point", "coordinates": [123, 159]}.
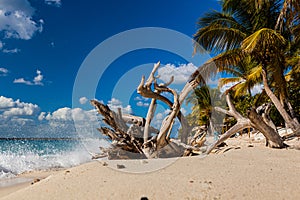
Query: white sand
{"type": "Point", "coordinates": [254, 172]}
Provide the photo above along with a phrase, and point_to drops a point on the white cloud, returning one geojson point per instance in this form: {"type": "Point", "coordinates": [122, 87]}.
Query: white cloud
{"type": "Point", "coordinates": [181, 73]}
{"type": "Point", "coordinates": [18, 118]}
{"type": "Point", "coordinates": [37, 80]}
{"type": "Point", "coordinates": [227, 86]}
{"type": "Point", "coordinates": [22, 121]}
{"type": "Point", "coordinates": [138, 98]}
{"type": "Point", "coordinates": [142, 104]}
{"type": "Point", "coordinates": [10, 108]}
{"type": "Point", "coordinates": [53, 2]}
{"type": "Point", "coordinates": [3, 71]}
{"type": "Point", "coordinates": [27, 109]}
{"type": "Point", "coordinates": [1, 45]}
{"type": "Point", "coordinates": [83, 100]}
{"type": "Point", "coordinates": [64, 114]}
{"type": "Point", "coordinates": [257, 89]}
{"type": "Point", "coordinates": [69, 114]}
{"type": "Point", "coordinates": [6, 102]}
{"type": "Point", "coordinates": [114, 104]}
{"type": "Point", "coordinates": [68, 118]}
{"type": "Point", "coordinates": [157, 119]}
{"type": "Point", "coordinates": [16, 19]}
{"type": "Point", "coordinates": [42, 116]}
{"type": "Point", "coordinates": [22, 80]}
{"type": "Point", "coordinates": [15, 50]}
{"type": "Point", "coordinates": [142, 101]}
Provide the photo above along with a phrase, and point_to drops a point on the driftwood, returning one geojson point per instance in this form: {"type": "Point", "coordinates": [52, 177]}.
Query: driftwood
{"type": "Point", "coordinates": [133, 137]}
{"type": "Point", "coordinates": [241, 124]}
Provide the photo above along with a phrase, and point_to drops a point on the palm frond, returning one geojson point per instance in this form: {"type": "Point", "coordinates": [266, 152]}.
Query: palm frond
{"type": "Point", "coordinates": [219, 63]}
{"type": "Point", "coordinates": [217, 39]}
{"type": "Point", "coordinates": [240, 89]}
{"type": "Point", "coordinates": [225, 81]}
{"type": "Point", "coordinates": [255, 74]}
{"type": "Point", "coordinates": [263, 39]}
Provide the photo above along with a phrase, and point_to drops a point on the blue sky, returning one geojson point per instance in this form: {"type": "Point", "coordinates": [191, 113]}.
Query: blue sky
{"type": "Point", "coordinates": [44, 43]}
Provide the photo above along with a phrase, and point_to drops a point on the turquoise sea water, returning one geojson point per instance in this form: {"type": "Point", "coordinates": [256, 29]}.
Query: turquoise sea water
{"type": "Point", "coordinates": [22, 155]}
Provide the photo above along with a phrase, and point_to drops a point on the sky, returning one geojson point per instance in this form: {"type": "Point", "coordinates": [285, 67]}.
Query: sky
{"type": "Point", "coordinates": [56, 55]}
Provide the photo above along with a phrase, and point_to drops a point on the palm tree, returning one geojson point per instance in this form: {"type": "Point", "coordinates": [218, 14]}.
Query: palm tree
{"type": "Point", "coordinates": [247, 30]}
{"type": "Point", "coordinates": [203, 99]}
{"type": "Point", "coordinates": [244, 77]}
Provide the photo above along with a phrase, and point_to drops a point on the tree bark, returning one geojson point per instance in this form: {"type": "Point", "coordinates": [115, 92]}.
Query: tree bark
{"type": "Point", "coordinates": [145, 90]}
{"type": "Point", "coordinates": [274, 139]}
{"type": "Point", "coordinates": [292, 123]}
{"type": "Point", "coordinates": [241, 124]}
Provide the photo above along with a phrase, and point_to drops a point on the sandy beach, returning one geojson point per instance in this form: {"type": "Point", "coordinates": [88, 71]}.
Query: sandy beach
{"type": "Point", "coordinates": [243, 170]}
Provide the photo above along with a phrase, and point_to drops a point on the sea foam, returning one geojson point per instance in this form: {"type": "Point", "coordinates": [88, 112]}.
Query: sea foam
{"type": "Point", "coordinates": [22, 156]}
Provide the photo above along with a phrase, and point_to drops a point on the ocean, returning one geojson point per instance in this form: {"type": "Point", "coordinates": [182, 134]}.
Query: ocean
{"type": "Point", "coordinates": [24, 155]}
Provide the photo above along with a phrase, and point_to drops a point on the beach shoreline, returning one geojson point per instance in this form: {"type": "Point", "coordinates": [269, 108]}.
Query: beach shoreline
{"type": "Point", "coordinates": [20, 181]}
{"type": "Point", "coordinates": [246, 170]}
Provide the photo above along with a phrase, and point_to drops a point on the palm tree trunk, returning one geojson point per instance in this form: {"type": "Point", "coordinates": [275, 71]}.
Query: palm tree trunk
{"type": "Point", "coordinates": [292, 123]}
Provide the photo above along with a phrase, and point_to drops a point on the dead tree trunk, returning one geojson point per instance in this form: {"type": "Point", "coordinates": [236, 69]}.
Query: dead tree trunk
{"type": "Point", "coordinates": [137, 138]}
{"type": "Point", "coordinates": [145, 90]}
{"type": "Point", "coordinates": [241, 124]}
{"type": "Point", "coordinates": [273, 138]}
{"type": "Point", "coordinates": [255, 121]}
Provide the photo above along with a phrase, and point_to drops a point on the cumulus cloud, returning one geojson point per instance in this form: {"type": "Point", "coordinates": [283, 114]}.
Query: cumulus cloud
{"type": "Point", "coordinates": [53, 2]}
{"type": "Point", "coordinates": [3, 71]}
{"type": "Point", "coordinates": [16, 19]}
{"type": "Point", "coordinates": [83, 100]}
{"type": "Point", "coordinates": [181, 73]}
{"type": "Point", "coordinates": [69, 114]}
{"type": "Point", "coordinates": [142, 101]}
{"type": "Point", "coordinates": [27, 109]}
{"type": "Point", "coordinates": [114, 104]}
{"type": "Point", "coordinates": [142, 104]}
{"type": "Point", "coordinates": [37, 80]}
{"type": "Point", "coordinates": [17, 119]}
{"type": "Point", "coordinates": [10, 108]}
{"type": "Point", "coordinates": [6, 102]}
{"type": "Point", "coordinates": [66, 119]}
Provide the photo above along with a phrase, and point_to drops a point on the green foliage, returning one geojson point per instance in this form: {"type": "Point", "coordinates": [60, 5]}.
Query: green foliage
{"type": "Point", "coordinates": [203, 99]}
{"type": "Point", "coordinates": [248, 36]}
{"type": "Point", "coordinates": [243, 104]}
{"type": "Point", "coordinates": [294, 91]}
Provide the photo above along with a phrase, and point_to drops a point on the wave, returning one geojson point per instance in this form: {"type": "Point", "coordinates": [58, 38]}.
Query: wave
{"type": "Point", "coordinates": [27, 156]}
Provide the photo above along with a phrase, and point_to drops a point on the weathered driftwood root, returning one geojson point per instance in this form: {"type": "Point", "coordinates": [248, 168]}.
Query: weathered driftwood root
{"type": "Point", "coordinates": [128, 145]}
{"type": "Point", "coordinates": [122, 141]}
{"type": "Point", "coordinates": [145, 90]}
{"type": "Point", "coordinates": [259, 122]}
{"type": "Point", "coordinates": [137, 137]}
